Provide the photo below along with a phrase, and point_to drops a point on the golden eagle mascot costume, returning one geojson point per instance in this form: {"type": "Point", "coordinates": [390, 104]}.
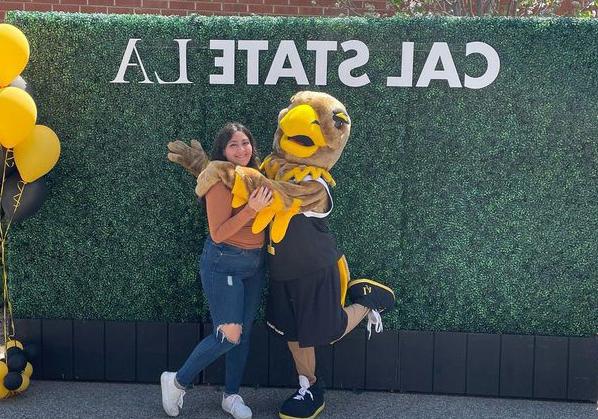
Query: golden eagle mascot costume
{"type": "Point", "coordinates": [309, 276]}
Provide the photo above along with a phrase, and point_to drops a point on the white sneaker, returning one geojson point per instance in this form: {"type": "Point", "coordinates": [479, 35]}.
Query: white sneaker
{"type": "Point", "coordinates": [235, 405]}
{"type": "Point", "coordinates": [172, 396]}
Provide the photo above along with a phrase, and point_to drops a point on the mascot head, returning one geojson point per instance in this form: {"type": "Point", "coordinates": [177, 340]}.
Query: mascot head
{"type": "Point", "coordinates": [312, 130]}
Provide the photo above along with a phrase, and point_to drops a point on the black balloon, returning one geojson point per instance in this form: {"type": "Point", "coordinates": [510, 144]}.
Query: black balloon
{"type": "Point", "coordinates": [13, 380]}
{"type": "Point", "coordinates": [13, 350]}
{"type": "Point", "coordinates": [32, 198]}
{"type": "Point", "coordinates": [16, 362]}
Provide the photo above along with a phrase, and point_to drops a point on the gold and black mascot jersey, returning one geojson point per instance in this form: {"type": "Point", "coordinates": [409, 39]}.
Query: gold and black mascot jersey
{"type": "Point", "coordinates": [308, 246]}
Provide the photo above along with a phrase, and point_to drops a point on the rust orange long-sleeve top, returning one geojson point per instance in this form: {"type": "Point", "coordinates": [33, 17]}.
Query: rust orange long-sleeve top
{"type": "Point", "coordinates": [230, 225]}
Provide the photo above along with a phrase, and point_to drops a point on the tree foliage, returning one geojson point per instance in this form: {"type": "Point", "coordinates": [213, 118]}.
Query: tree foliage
{"type": "Point", "coordinates": [513, 8]}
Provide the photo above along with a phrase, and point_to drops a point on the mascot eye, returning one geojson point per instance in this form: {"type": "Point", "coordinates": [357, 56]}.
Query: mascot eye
{"type": "Point", "coordinates": [340, 119]}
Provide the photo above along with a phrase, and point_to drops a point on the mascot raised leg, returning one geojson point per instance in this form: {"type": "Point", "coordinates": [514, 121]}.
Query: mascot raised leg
{"type": "Point", "coordinates": [309, 276]}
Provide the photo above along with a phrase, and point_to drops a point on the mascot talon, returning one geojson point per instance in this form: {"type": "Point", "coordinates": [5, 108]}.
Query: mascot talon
{"type": "Point", "coordinates": [262, 219]}
{"type": "Point", "coordinates": [277, 215]}
{"type": "Point", "coordinates": [282, 220]}
{"type": "Point", "coordinates": [266, 215]}
{"type": "Point", "coordinates": [239, 192]}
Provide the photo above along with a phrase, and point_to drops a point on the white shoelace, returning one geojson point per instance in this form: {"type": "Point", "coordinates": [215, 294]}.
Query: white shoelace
{"type": "Point", "coordinates": [374, 319]}
{"type": "Point", "coordinates": [304, 383]}
{"type": "Point", "coordinates": [179, 402]}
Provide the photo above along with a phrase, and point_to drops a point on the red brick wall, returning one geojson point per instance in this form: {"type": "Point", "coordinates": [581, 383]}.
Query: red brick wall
{"type": "Point", "coordinates": [204, 7]}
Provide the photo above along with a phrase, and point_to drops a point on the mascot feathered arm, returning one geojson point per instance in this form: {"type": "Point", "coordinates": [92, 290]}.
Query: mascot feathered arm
{"type": "Point", "coordinates": [192, 157]}
{"type": "Point", "coordinates": [289, 198]}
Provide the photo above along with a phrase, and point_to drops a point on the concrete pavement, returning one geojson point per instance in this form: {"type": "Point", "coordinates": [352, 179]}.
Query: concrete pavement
{"type": "Point", "coordinates": [67, 400]}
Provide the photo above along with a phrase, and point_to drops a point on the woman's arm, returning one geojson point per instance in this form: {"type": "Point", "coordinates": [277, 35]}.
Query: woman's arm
{"type": "Point", "coordinates": [222, 223]}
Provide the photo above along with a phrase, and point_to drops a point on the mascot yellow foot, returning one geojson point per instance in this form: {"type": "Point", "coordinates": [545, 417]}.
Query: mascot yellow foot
{"type": "Point", "coordinates": [276, 213]}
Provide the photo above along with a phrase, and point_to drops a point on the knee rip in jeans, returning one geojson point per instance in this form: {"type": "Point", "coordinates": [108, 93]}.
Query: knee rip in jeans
{"type": "Point", "coordinates": [231, 332]}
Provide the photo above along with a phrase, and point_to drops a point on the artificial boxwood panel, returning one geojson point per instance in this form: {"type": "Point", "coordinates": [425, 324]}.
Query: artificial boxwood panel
{"type": "Point", "coordinates": [477, 206]}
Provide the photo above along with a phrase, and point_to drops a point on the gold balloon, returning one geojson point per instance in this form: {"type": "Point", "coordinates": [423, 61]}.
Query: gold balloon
{"type": "Point", "coordinates": [28, 370]}
{"type": "Point", "coordinates": [4, 392]}
{"type": "Point", "coordinates": [14, 53]}
{"type": "Point", "coordinates": [12, 343]}
{"type": "Point", "coordinates": [23, 385]}
{"type": "Point", "coordinates": [17, 116]}
{"type": "Point", "coordinates": [37, 154]}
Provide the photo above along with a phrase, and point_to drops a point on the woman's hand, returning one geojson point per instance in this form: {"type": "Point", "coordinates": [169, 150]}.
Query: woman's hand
{"type": "Point", "coordinates": [260, 198]}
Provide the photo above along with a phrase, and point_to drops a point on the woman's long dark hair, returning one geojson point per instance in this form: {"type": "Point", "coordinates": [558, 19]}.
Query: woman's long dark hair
{"type": "Point", "coordinates": [223, 137]}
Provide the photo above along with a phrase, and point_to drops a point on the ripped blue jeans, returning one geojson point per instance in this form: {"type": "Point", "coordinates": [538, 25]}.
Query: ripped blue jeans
{"type": "Point", "coordinates": [232, 279]}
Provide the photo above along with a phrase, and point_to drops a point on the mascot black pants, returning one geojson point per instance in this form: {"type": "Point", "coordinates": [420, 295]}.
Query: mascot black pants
{"type": "Point", "coordinates": [308, 309]}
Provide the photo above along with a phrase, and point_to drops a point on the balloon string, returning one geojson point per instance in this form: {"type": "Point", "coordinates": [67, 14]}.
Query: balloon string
{"type": "Point", "coordinates": [7, 318]}
{"type": "Point", "coordinates": [3, 239]}
{"type": "Point", "coordinates": [5, 297]}
{"type": "Point", "coordinates": [6, 158]}
{"type": "Point", "coordinates": [4, 310]}
{"type": "Point", "coordinates": [9, 323]}
{"type": "Point", "coordinates": [17, 201]}
{"type": "Point", "coordinates": [10, 160]}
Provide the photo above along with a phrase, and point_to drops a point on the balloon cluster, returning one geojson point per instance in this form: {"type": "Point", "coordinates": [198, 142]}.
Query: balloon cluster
{"type": "Point", "coordinates": [34, 150]}
{"type": "Point", "coordinates": [15, 370]}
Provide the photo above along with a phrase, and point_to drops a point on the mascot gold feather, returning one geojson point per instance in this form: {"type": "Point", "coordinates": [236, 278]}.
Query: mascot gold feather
{"type": "Point", "coordinates": [309, 276]}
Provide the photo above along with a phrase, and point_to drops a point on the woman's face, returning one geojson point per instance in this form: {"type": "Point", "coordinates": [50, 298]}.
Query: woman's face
{"type": "Point", "coordinates": [238, 149]}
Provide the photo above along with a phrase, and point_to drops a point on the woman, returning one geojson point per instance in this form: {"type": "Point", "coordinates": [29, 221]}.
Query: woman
{"type": "Point", "coordinates": [232, 276]}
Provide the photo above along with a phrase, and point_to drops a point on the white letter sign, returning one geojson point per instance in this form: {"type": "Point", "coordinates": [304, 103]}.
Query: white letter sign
{"type": "Point", "coordinates": [182, 64]}
{"type": "Point", "coordinates": [406, 79]}
{"type": "Point", "coordinates": [493, 65]}
{"type": "Point", "coordinates": [253, 49]}
{"type": "Point", "coordinates": [361, 58]}
{"type": "Point", "coordinates": [126, 63]}
{"type": "Point", "coordinates": [226, 61]}
{"type": "Point", "coordinates": [439, 53]}
{"type": "Point", "coordinates": [321, 48]}
{"type": "Point", "coordinates": [277, 69]}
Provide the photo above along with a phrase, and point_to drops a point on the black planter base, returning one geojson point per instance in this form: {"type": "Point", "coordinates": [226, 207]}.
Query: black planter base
{"type": "Point", "coordinates": [536, 367]}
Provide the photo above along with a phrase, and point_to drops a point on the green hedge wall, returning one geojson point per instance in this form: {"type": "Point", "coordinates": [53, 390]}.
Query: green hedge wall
{"type": "Point", "coordinates": [479, 207]}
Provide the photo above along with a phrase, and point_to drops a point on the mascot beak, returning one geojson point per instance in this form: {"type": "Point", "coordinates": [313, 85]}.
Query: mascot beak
{"type": "Point", "coordinates": [302, 135]}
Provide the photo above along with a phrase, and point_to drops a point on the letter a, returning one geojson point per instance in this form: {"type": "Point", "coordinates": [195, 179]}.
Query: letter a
{"type": "Point", "coordinates": [126, 63]}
